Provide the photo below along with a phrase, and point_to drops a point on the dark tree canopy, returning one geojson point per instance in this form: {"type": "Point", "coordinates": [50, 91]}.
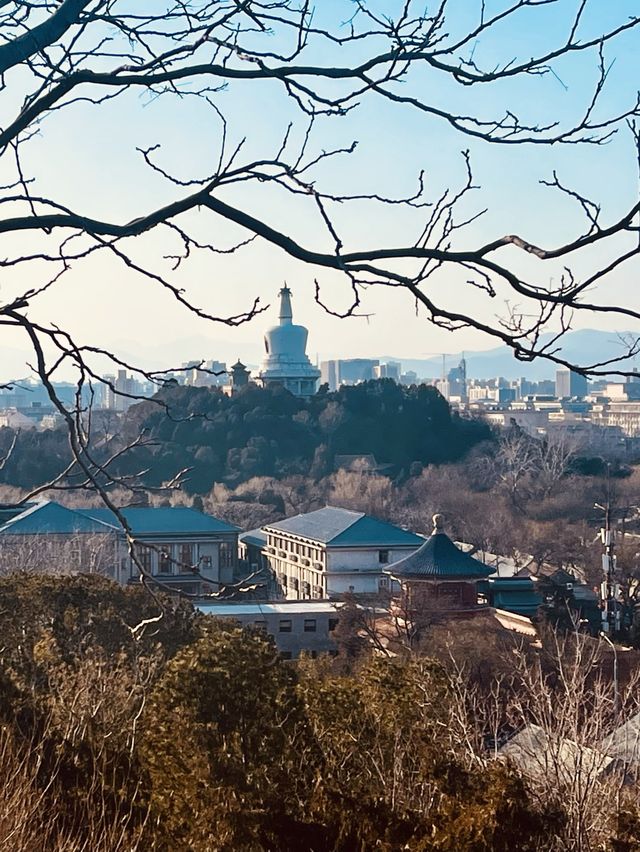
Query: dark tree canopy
{"type": "Point", "coordinates": [263, 432]}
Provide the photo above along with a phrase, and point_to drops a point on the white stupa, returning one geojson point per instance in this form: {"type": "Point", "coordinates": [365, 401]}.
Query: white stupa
{"type": "Point", "coordinates": [286, 361]}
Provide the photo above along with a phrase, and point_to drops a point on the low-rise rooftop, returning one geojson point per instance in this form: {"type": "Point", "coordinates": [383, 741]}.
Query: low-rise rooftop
{"type": "Point", "coordinates": [344, 528]}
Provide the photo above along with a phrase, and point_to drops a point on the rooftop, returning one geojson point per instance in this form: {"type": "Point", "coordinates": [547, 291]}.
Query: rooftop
{"type": "Point", "coordinates": [254, 538]}
{"type": "Point", "coordinates": [275, 608]}
{"type": "Point", "coordinates": [160, 520]}
{"type": "Point", "coordinates": [537, 752]}
{"type": "Point", "coordinates": [344, 528]}
{"type": "Point", "coordinates": [47, 517]}
{"type": "Point", "coordinates": [439, 558]}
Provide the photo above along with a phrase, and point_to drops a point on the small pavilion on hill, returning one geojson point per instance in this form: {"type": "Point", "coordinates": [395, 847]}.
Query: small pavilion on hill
{"type": "Point", "coordinates": [438, 579]}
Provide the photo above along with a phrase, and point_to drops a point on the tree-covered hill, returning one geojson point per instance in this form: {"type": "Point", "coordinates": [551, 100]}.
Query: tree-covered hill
{"type": "Point", "coordinates": [268, 432]}
{"type": "Point", "coordinates": [261, 432]}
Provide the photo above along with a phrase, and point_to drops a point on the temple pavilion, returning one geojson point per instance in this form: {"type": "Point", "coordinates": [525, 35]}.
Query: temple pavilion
{"type": "Point", "coordinates": [438, 579]}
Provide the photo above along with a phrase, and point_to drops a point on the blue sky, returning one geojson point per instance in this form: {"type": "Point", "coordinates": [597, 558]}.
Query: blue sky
{"type": "Point", "coordinates": [85, 156]}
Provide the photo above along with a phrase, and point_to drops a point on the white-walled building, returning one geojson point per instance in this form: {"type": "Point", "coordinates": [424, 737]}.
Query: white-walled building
{"type": "Point", "coordinates": [332, 552]}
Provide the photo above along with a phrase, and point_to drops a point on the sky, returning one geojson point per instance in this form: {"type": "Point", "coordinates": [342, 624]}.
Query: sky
{"type": "Point", "coordinates": [85, 156]}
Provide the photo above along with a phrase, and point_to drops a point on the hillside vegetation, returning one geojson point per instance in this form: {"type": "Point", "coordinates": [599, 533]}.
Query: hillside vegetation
{"type": "Point", "coordinates": [260, 432]}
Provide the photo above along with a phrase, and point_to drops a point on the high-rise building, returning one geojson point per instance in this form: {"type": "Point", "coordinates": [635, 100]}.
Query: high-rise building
{"type": "Point", "coordinates": [388, 370]}
{"type": "Point", "coordinates": [121, 391]}
{"type": "Point", "coordinates": [347, 371]}
{"type": "Point", "coordinates": [457, 380]}
{"type": "Point", "coordinates": [205, 374]}
{"type": "Point", "coordinates": [570, 384]}
{"type": "Point", "coordinates": [409, 378]}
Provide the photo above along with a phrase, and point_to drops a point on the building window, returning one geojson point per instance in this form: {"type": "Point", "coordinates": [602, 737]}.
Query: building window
{"type": "Point", "coordinates": [144, 558]}
{"type": "Point", "coordinates": [226, 554]}
{"type": "Point", "coordinates": [309, 625]}
{"type": "Point", "coordinates": [165, 563]}
{"type": "Point", "coordinates": [286, 655]}
{"type": "Point", "coordinates": [285, 625]}
{"type": "Point", "coordinates": [260, 625]}
{"type": "Point", "coordinates": [185, 557]}
{"type": "Point", "coordinates": [383, 557]}
{"type": "Point", "coordinates": [333, 623]}
{"type": "Point", "coordinates": [294, 583]}
{"type": "Point", "coordinates": [383, 584]}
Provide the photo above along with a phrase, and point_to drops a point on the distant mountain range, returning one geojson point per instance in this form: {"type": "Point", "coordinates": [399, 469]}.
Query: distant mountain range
{"type": "Point", "coordinates": [580, 347]}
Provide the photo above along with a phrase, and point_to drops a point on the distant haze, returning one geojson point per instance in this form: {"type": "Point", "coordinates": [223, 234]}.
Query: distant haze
{"type": "Point", "coordinates": [580, 347]}
{"type": "Point", "coordinates": [577, 346]}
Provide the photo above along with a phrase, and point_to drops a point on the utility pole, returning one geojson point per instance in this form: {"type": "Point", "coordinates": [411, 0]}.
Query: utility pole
{"type": "Point", "coordinates": [616, 690]}
{"type": "Point", "coordinates": [609, 588]}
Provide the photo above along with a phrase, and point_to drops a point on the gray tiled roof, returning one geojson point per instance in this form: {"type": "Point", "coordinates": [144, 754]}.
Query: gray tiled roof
{"type": "Point", "coordinates": [344, 528]}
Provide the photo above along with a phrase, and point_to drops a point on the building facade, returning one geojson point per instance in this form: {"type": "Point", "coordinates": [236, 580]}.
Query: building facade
{"type": "Point", "coordinates": [295, 626]}
{"type": "Point", "coordinates": [570, 384]}
{"type": "Point", "coordinates": [334, 552]}
{"type": "Point", "coordinates": [183, 549]}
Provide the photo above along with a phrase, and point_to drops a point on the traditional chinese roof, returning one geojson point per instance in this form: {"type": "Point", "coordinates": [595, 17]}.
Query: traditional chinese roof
{"type": "Point", "coordinates": [439, 558]}
{"type": "Point", "coordinates": [48, 518]}
{"type": "Point", "coordinates": [537, 753]}
{"type": "Point", "coordinates": [343, 528]}
{"type": "Point", "coordinates": [163, 520]}
{"type": "Point", "coordinates": [624, 742]}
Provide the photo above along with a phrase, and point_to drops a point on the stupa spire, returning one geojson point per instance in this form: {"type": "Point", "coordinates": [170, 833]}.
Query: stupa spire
{"type": "Point", "coordinates": [286, 312]}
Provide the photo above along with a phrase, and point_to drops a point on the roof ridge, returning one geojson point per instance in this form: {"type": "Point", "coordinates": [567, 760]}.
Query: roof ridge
{"type": "Point", "coordinates": [30, 509]}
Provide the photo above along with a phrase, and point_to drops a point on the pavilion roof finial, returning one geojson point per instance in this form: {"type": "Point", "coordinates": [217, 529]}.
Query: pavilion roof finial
{"type": "Point", "coordinates": [438, 524]}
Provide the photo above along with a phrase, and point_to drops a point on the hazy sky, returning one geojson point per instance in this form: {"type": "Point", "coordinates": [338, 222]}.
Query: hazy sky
{"type": "Point", "coordinates": [85, 157]}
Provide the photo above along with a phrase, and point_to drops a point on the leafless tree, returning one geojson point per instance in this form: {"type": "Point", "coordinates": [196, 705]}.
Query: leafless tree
{"type": "Point", "coordinates": [59, 56]}
{"type": "Point", "coordinates": [555, 453]}
{"type": "Point", "coordinates": [516, 462]}
{"type": "Point", "coordinates": [557, 716]}
{"type": "Point", "coordinates": [86, 553]}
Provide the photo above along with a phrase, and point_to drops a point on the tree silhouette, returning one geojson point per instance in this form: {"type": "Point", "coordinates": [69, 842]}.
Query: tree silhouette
{"type": "Point", "coordinates": [57, 57]}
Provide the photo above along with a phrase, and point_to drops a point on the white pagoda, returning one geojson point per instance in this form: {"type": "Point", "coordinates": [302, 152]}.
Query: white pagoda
{"type": "Point", "coordinates": [286, 361]}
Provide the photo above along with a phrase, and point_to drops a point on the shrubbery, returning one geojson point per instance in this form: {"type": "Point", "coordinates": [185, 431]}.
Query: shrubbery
{"type": "Point", "coordinates": [192, 734]}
